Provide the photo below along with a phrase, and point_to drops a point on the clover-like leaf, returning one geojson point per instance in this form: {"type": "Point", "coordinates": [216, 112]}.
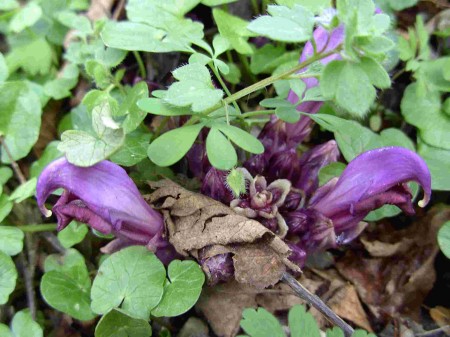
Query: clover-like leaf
{"type": "Point", "coordinates": [8, 277]}
{"type": "Point", "coordinates": [11, 241]}
{"type": "Point", "coordinates": [116, 323]}
{"type": "Point", "coordinates": [132, 279]}
{"type": "Point", "coordinates": [182, 289]}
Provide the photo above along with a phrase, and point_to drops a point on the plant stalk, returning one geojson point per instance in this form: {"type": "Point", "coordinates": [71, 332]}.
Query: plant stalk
{"type": "Point", "coordinates": [317, 303]}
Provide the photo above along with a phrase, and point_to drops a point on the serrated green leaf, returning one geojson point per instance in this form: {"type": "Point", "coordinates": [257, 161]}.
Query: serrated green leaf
{"type": "Point", "coordinates": [8, 277]}
{"type": "Point", "coordinates": [376, 73]}
{"type": "Point", "coordinates": [118, 324]}
{"type": "Point", "coordinates": [65, 294]}
{"type": "Point", "coordinates": [26, 17]}
{"type": "Point", "coordinates": [137, 288]}
{"type": "Point", "coordinates": [234, 29]}
{"type": "Point", "coordinates": [11, 240]}
{"type": "Point", "coordinates": [24, 191]}
{"type": "Point", "coordinates": [60, 87]}
{"type": "Point", "coordinates": [169, 148]}
{"type": "Point", "coordinates": [134, 149]}
{"type": "Point", "coordinates": [133, 114]}
{"type": "Point", "coordinates": [444, 238]}
{"type": "Point", "coordinates": [20, 119]}
{"type": "Point", "coordinates": [302, 323]}
{"type": "Point", "coordinates": [221, 154]}
{"type": "Point", "coordinates": [236, 182]}
{"type": "Point", "coordinates": [285, 24]}
{"type": "Point", "coordinates": [71, 235]}
{"type": "Point", "coordinates": [182, 290]}
{"type": "Point", "coordinates": [22, 325]}
{"type": "Point", "coordinates": [84, 149]}
{"type": "Point", "coordinates": [425, 112]}
{"type": "Point", "coordinates": [241, 138]}
{"type": "Point", "coordinates": [261, 323]}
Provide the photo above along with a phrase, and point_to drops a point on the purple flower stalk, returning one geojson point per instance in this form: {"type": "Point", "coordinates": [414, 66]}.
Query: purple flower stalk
{"type": "Point", "coordinates": [104, 197]}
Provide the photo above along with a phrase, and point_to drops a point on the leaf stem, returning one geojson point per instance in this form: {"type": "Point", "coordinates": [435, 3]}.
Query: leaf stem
{"type": "Point", "coordinates": [38, 228]}
{"type": "Point", "coordinates": [317, 303]}
{"type": "Point", "coordinates": [141, 65]}
{"type": "Point", "coordinates": [224, 86]}
{"type": "Point", "coordinates": [261, 84]}
{"type": "Point", "coordinates": [256, 113]}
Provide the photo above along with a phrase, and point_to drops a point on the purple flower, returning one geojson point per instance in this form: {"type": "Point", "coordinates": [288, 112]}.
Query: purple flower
{"type": "Point", "coordinates": [371, 180]}
{"type": "Point", "coordinates": [214, 186]}
{"type": "Point", "coordinates": [311, 162]}
{"type": "Point", "coordinates": [105, 198]}
{"type": "Point", "coordinates": [219, 268]}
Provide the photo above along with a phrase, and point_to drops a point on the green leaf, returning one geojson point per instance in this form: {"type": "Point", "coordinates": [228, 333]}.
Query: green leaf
{"type": "Point", "coordinates": [118, 324]}
{"type": "Point", "coordinates": [425, 112]}
{"type": "Point", "coordinates": [285, 24]}
{"type": "Point", "coordinates": [376, 73]}
{"type": "Point", "coordinates": [70, 263]}
{"type": "Point", "coordinates": [221, 154]}
{"type": "Point", "coordinates": [316, 6]}
{"type": "Point", "coordinates": [134, 36]}
{"type": "Point", "coordinates": [375, 45]}
{"type": "Point", "coordinates": [65, 294]}
{"type": "Point", "coordinates": [220, 45]}
{"type": "Point", "coordinates": [134, 149]}
{"type": "Point", "coordinates": [434, 73]}
{"type": "Point", "coordinates": [71, 235]}
{"type": "Point", "coordinates": [213, 3]}
{"type": "Point", "coordinates": [193, 89]}
{"type": "Point", "coordinates": [26, 17]}
{"type": "Point", "coordinates": [234, 74]}
{"type": "Point", "coordinates": [234, 29]}
{"type": "Point", "coordinates": [335, 332]}
{"type": "Point", "coordinates": [4, 72]}
{"type": "Point", "coordinates": [241, 138]}
{"type": "Point", "coordinates": [22, 325]}
{"type": "Point", "coordinates": [8, 277]}
{"type": "Point", "coordinates": [302, 323]}
{"type": "Point", "coordinates": [444, 238]}
{"type": "Point", "coordinates": [182, 290]}
{"type": "Point", "coordinates": [137, 288]}
{"type": "Point", "coordinates": [84, 149]}
{"type": "Point", "coordinates": [4, 330]}
{"type": "Point", "coordinates": [50, 153]}
{"type": "Point", "coordinates": [399, 5]}
{"type": "Point", "coordinates": [362, 333]}
{"type": "Point", "coordinates": [24, 191]}
{"type": "Point", "coordinates": [78, 22]}
{"type": "Point", "coordinates": [99, 73]}
{"type": "Point", "coordinates": [235, 181]}
{"type": "Point", "coordinates": [60, 87]}
{"type": "Point", "coordinates": [132, 112]}
{"type": "Point", "coordinates": [288, 114]}
{"type": "Point", "coordinates": [261, 323]}
{"type": "Point", "coordinates": [169, 148]}
{"type": "Point", "coordinates": [20, 119]}
{"type": "Point", "coordinates": [262, 57]}
{"type": "Point", "coordinates": [11, 241]}
{"type": "Point", "coordinates": [5, 207]}
{"type": "Point", "coordinates": [157, 106]}
{"type": "Point", "coordinates": [438, 162]}
{"type": "Point", "coordinates": [5, 174]}
{"type": "Point", "coordinates": [330, 171]}
{"type": "Point", "coordinates": [35, 57]}
{"type": "Point", "coordinates": [7, 5]}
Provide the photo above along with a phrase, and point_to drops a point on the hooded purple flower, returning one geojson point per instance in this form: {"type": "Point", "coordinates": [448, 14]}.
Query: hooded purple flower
{"type": "Point", "coordinates": [104, 197]}
{"type": "Point", "coordinates": [371, 180]}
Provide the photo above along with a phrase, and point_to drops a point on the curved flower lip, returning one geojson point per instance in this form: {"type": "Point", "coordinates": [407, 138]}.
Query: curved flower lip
{"type": "Point", "coordinates": [103, 195]}
{"type": "Point", "coordinates": [371, 173]}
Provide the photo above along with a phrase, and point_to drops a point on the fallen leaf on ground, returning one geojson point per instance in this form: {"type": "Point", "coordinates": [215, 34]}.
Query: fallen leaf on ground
{"type": "Point", "coordinates": [195, 222]}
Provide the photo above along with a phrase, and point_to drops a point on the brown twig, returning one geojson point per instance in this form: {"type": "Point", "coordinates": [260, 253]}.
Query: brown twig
{"type": "Point", "coordinates": [14, 165]}
{"type": "Point", "coordinates": [28, 279]}
{"type": "Point", "coordinates": [317, 303]}
{"type": "Point", "coordinates": [53, 241]}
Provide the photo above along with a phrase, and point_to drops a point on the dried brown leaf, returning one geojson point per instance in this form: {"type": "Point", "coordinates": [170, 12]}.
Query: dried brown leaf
{"type": "Point", "coordinates": [194, 221]}
{"type": "Point", "coordinates": [223, 304]}
{"type": "Point", "coordinates": [396, 281]}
